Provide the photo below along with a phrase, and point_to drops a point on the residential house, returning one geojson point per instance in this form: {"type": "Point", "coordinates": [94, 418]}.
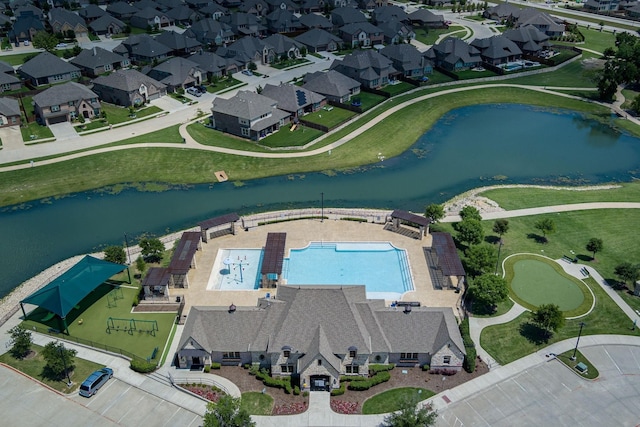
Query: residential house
{"type": "Point", "coordinates": [407, 59]}
{"type": "Point", "coordinates": [213, 10]}
{"type": "Point", "coordinates": [199, 4]}
{"type": "Point", "coordinates": [46, 68]}
{"type": "Point", "coordinates": [633, 11]}
{"type": "Point", "coordinates": [24, 28]}
{"type": "Point", "coordinates": [249, 49]}
{"type": "Point", "coordinates": [395, 31]}
{"type": "Point", "coordinates": [142, 49]}
{"type": "Point", "coordinates": [336, 87]}
{"type": "Point", "coordinates": [368, 67]}
{"type": "Point", "coordinates": [63, 21]}
{"type": "Point", "coordinates": [177, 73]}
{"type": "Point", "coordinates": [309, 7]}
{"type": "Point", "coordinates": [149, 17]}
{"type": "Point", "coordinates": [283, 46]}
{"type": "Point", "coordinates": [243, 24]}
{"type": "Point", "coordinates": [213, 65]}
{"type": "Point", "coordinates": [182, 15]}
{"type": "Point", "coordinates": [283, 21]}
{"type": "Point", "coordinates": [28, 10]}
{"type": "Point", "coordinates": [551, 26]}
{"type": "Point", "coordinates": [121, 10]}
{"type": "Point", "coordinates": [388, 13]}
{"type": "Point", "coordinates": [317, 40]}
{"type": "Point", "coordinates": [254, 7]}
{"type": "Point", "coordinates": [346, 15]}
{"type": "Point", "coordinates": [107, 25]}
{"type": "Point", "coordinates": [371, 5]}
{"type": "Point", "coordinates": [497, 50]}
{"type": "Point", "coordinates": [601, 5]}
{"type": "Point", "coordinates": [91, 12]}
{"type": "Point", "coordinates": [426, 19]}
{"type": "Point", "coordinates": [502, 12]}
{"type": "Point", "coordinates": [453, 54]}
{"type": "Point", "coordinates": [9, 112]}
{"type": "Point", "coordinates": [319, 334]}
{"type": "Point", "coordinates": [529, 39]}
{"type": "Point", "coordinates": [128, 87]}
{"type": "Point", "coordinates": [180, 44]}
{"type": "Point", "coordinates": [248, 115]}
{"type": "Point", "coordinates": [8, 80]}
{"type": "Point", "coordinates": [282, 5]}
{"type": "Point", "coordinates": [143, 4]}
{"type": "Point", "coordinates": [63, 103]}
{"type": "Point", "coordinates": [96, 61]}
{"type": "Point", "coordinates": [210, 32]}
{"type": "Point", "coordinates": [361, 34]}
{"type": "Point", "coordinates": [166, 5]}
{"type": "Point", "coordinates": [296, 100]}
{"type": "Point", "coordinates": [311, 20]}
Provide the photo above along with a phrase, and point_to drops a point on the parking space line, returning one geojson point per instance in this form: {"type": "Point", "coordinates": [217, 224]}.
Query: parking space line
{"type": "Point", "coordinates": [169, 422]}
{"type": "Point", "coordinates": [131, 408]}
{"type": "Point", "coordinates": [612, 361]}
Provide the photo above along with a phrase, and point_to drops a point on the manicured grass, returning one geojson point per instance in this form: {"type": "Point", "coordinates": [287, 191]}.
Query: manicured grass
{"type": "Point", "coordinates": [393, 400]}
{"type": "Point", "coordinates": [593, 39]}
{"type": "Point", "coordinates": [285, 137]}
{"type": "Point", "coordinates": [432, 35]}
{"type": "Point", "coordinates": [290, 63]}
{"type": "Point", "coordinates": [629, 96]}
{"type": "Point", "coordinates": [437, 77]}
{"type": "Point", "coordinates": [331, 118]}
{"type": "Point", "coordinates": [565, 358]}
{"type": "Point", "coordinates": [39, 132]}
{"type": "Point", "coordinates": [501, 308]}
{"type": "Point", "coordinates": [470, 74]}
{"type": "Point", "coordinates": [571, 75]}
{"type": "Point", "coordinates": [222, 85]}
{"type": "Point", "coordinates": [34, 367]}
{"type": "Point", "coordinates": [536, 280]}
{"type": "Point", "coordinates": [399, 88]}
{"type": "Point", "coordinates": [368, 100]}
{"type": "Point", "coordinates": [256, 403]}
{"type": "Point", "coordinates": [190, 166]}
{"type": "Point", "coordinates": [117, 114]}
{"type": "Point", "coordinates": [510, 341]}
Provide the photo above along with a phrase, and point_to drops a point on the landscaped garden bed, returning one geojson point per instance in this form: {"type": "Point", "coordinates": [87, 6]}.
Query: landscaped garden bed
{"type": "Point", "coordinates": [211, 393]}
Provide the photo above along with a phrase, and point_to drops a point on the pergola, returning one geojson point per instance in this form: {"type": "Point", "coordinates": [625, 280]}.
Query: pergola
{"type": "Point", "coordinates": [421, 222]}
{"type": "Point", "coordinates": [272, 260]}
{"type": "Point", "coordinates": [64, 293]}
{"type": "Point", "coordinates": [218, 226]}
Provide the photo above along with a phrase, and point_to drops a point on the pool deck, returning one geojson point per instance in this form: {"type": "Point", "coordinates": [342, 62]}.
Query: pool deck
{"type": "Point", "coordinates": [299, 234]}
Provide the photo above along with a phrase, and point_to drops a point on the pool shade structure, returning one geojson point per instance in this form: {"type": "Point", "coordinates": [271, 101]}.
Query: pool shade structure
{"type": "Point", "coordinates": [271, 271]}
{"type": "Point", "coordinates": [399, 217]}
{"type": "Point", "coordinates": [64, 293]}
{"type": "Point", "coordinates": [184, 259]}
{"type": "Point", "coordinates": [447, 260]}
{"type": "Point", "coordinates": [218, 226]}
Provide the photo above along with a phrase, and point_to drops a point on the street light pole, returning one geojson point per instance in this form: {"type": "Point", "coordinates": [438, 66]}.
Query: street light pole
{"type": "Point", "coordinates": [575, 350]}
{"type": "Point", "coordinates": [498, 260]}
{"type": "Point", "coordinates": [64, 362]}
{"type": "Point", "coordinates": [322, 207]}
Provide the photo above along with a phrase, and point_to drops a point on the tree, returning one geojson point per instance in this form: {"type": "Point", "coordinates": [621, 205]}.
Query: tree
{"type": "Point", "coordinates": [489, 289]}
{"type": "Point", "coordinates": [628, 273]}
{"type": "Point", "coordinates": [226, 413]}
{"type": "Point", "coordinates": [151, 249]}
{"type": "Point", "coordinates": [594, 245]}
{"type": "Point", "coordinates": [412, 414]}
{"type": "Point", "coordinates": [21, 339]}
{"type": "Point", "coordinates": [434, 212]}
{"type": "Point", "coordinates": [500, 226]}
{"type": "Point", "coordinates": [469, 212]}
{"type": "Point", "coordinates": [546, 225]}
{"type": "Point", "coordinates": [469, 231]}
{"type": "Point", "coordinates": [548, 317]}
{"type": "Point", "coordinates": [44, 40]}
{"type": "Point", "coordinates": [480, 259]}
{"type": "Point", "coordinates": [635, 105]}
{"type": "Point", "coordinates": [115, 254]}
{"type": "Point", "coordinates": [58, 358]}
{"type": "Point", "coordinates": [141, 265]}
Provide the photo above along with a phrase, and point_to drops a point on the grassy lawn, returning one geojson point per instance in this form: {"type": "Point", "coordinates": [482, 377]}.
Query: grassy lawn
{"type": "Point", "coordinates": [432, 35]}
{"type": "Point", "coordinates": [629, 96]}
{"type": "Point", "coordinates": [565, 358]}
{"type": "Point", "coordinates": [94, 124]}
{"type": "Point", "coordinates": [95, 310]}
{"type": "Point", "coordinates": [399, 88]}
{"type": "Point", "coordinates": [510, 341]}
{"type": "Point", "coordinates": [256, 403]}
{"type": "Point", "coordinates": [437, 77]}
{"type": "Point", "coordinates": [571, 75]}
{"type": "Point", "coordinates": [470, 74]}
{"type": "Point", "coordinates": [289, 63]}
{"type": "Point", "coordinates": [34, 129]}
{"type": "Point", "coordinates": [594, 40]}
{"type": "Point", "coordinates": [368, 100]}
{"type": "Point", "coordinates": [331, 118]}
{"type": "Point", "coordinates": [34, 367]}
{"type": "Point", "coordinates": [223, 84]}
{"type": "Point", "coordinates": [393, 400]}
{"type": "Point", "coordinates": [286, 138]}
{"type": "Point", "coordinates": [117, 114]}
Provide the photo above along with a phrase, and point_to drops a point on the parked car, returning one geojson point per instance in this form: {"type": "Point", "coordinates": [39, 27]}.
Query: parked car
{"type": "Point", "coordinates": [61, 46]}
{"type": "Point", "coordinates": [92, 384]}
{"type": "Point", "coordinates": [202, 88]}
{"type": "Point", "coordinates": [194, 91]}
{"type": "Point", "coordinates": [247, 72]}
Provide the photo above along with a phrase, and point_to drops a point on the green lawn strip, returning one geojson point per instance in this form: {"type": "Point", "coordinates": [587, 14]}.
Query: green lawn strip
{"type": "Point", "coordinates": [393, 400]}
{"type": "Point", "coordinates": [287, 138]}
{"type": "Point", "coordinates": [290, 63]}
{"type": "Point", "coordinates": [629, 96]}
{"type": "Point", "coordinates": [565, 358]}
{"type": "Point", "coordinates": [510, 341]}
{"type": "Point", "coordinates": [256, 403]}
{"type": "Point", "coordinates": [95, 311]}
{"type": "Point", "coordinates": [166, 354]}
{"type": "Point", "coordinates": [34, 367]}
{"type": "Point", "coordinates": [519, 198]}
{"type": "Point", "coordinates": [368, 100]}
{"type": "Point", "coordinates": [117, 114]}
{"type": "Point", "coordinates": [540, 287]}
{"type": "Point", "coordinates": [500, 309]}
{"type": "Point", "coordinates": [429, 37]}
{"type": "Point", "coordinates": [399, 88]}
{"type": "Point", "coordinates": [191, 166]}
{"type": "Point", "coordinates": [332, 118]}
{"type": "Point", "coordinates": [573, 74]}
{"type": "Point", "coordinates": [33, 131]}
{"type": "Point", "coordinates": [437, 77]}
{"type": "Point", "coordinates": [593, 39]}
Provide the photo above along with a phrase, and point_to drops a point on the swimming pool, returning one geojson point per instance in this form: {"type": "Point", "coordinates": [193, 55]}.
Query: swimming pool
{"type": "Point", "coordinates": [381, 267]}
{"type": "Point", "coordinates": [236, 270]}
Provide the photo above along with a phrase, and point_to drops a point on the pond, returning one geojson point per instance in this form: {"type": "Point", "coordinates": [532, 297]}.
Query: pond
{"type": "Point", "coordinates": [468, 147]}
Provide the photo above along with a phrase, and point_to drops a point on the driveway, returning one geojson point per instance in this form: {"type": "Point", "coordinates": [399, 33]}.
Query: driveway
{"type": "Point", "coordinates": [63, 131]}
{"type": "Point", "coordinates": [11, 138]}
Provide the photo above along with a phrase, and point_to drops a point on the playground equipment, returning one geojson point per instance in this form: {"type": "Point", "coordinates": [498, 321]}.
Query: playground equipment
{"type": "Point", "coordinates": [130, 325]}
{"type": "Point", "coordinates": [113, 296]}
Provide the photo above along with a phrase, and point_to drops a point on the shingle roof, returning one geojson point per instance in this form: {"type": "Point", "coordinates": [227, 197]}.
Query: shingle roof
{"type": "Point", "coordinates": [91, 11]}
{"type": "Point", "coordinates": [6, 78]}
{"type": "Point", "coordinates": [311, 20]}
{"type": "Point", "coordinates": [244, 104]}
{"type": "Point", "coordinates": [9, 107]}
{"type": "Point", "coordinates": [47, 64]}
{"type": "Point", "coordinates": [425, 16]}
{"type": "Point", "coordinates": [497, 47]}
{"type": "Point", "coordinates": [347, 15]}
{"type": "Point", "coordinates": [291, 97]}
{"type": "Point", "coordinates": [127, 80]}
{"type": "Point", "coordinates": [92, 58]}
{"type": "Point", "coordinates": [6, 68]}
{"type": "Point", "coordinates": [61, 94]}
{"type": "Point", "coordinates": [406, 55]}
{"type": "Point", "coordinates": [63, 16]}
{"type": "Point", "coordinates": [142, 45]}
{"type": "Point", "coordinates": [209, 61]}
{"type": "Point", "coordinates": [281, 44]}
{"type": "Point", "coordinates": [317, 37]}
{"type": "Point", "coordinates": [102, 24]}
{"type": "Point", "coordinates": [176, 71]}
{"type": "Point", "coordinates": [177, 41]}
{"type": "Point", "coordinates": [330, 83]}
{"type": "Point", "coordinates": [452, 49]}
{"type": "Point", "coordinates": [386, 13]}
{"type": "Point", "coordinates": [360, 26]}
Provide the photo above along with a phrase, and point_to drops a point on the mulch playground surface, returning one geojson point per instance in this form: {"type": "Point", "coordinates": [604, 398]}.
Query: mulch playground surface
{"type": "Point", "coordinates": [414, 377]}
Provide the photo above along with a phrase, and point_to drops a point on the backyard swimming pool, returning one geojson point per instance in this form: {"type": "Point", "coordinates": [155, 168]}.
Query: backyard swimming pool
{"type": "Point", "coordinates": [381, 267]}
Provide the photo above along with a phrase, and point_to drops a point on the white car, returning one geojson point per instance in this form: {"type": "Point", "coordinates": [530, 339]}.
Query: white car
{"type": "Point", "coordinates": [194, 91]}
{"type": "Point", "coordinates": [61, 46]}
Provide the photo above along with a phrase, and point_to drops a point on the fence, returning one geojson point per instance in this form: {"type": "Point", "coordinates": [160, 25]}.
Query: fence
{"type": "Point", "coordinates": [368, 215]}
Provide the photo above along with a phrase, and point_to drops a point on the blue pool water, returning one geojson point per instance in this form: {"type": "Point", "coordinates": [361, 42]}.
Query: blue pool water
{"type": "Point", "coordinates": [236, 270]}
{"type": "Point", "coordinates": [381, 267]}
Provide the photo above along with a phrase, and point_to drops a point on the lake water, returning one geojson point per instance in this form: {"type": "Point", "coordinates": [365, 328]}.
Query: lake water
{"type": "Point", "coordinates": [467, 148]}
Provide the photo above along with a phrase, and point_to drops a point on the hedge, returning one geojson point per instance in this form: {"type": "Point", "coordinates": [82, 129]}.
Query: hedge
{"type": "Point", "coordinates": [142, 366]}
{"type": "Point", "coordinates": [469, 364]}
{"type": "Point", "coordinates": [341, 390]}
{"type": "Point", "coordinates": [378, 378]}
{"type": "Point", "coordinates": [216, 365]}
{"type": "Point", "coordinates": [269, 381]}
{"type": "Point", "coordinates": [381, 368]}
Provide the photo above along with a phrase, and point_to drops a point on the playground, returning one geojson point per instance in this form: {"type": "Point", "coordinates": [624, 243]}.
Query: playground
{"type": "Point", "coordinates": [104, 319]}
{"type": "Point", "coordinates": [535, 280]}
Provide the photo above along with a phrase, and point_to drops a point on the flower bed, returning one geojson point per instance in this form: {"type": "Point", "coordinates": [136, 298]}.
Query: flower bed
{"type": "Point", "coordinates": [290, 409]}
{"type": "Point", "coordinates": [344, 407]}
{"type": "Point", "coordinates": [210, 393]}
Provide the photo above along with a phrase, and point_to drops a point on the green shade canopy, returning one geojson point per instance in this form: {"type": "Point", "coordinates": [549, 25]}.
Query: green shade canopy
{"type": "Point", "coordinates": [65, 292]}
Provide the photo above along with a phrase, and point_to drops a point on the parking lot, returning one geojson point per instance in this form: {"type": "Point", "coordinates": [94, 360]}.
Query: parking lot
{"type": "Point", "coordinates": [551, 394]}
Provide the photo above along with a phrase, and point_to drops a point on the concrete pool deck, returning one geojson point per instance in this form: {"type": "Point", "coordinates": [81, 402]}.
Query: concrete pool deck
{"type": "Point", "coordinates": [299, 234]}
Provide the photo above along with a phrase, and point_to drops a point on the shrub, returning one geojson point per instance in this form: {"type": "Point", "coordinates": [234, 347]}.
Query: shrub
{"type": "Point", "coordinates": [367, 383]}
{"type": "Point", "coordinates": [426, 367]}
{"type": "Point", "coordinates": [207, 369]}
{"type": "Point", "coordinates": [246, 366]}
{"type": "Point", "coordinates": [136, 300]}
{"type": "Point", "coordinates": [374, 369]}
{"type": "Point", "coordinates": [339, 391]}
{"type": "Point", "coordinates": [142, 366]}
{"type": "Point", "coordinates": [445, 372]}
{"type": "Point", "coordinates": [305, 394]}
{"type": "Point", "coordinates": [296, 391]}
{"type": "Point", "coordinates": [469, 364]}
{"type": "Point", "coordinates": [215, 365]}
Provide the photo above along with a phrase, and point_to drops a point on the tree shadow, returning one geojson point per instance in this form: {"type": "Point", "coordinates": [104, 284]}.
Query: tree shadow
{"type": "Point", "coordinates": [534, 334]}
{"type": "Point", "coordinates": [494, 240]}
{"type": "Point", "coordinates": [585, 258]}
{"type": "Point", "coordinates": [537, 238]}
{"type": "Point", "coordinates": [481, 309]}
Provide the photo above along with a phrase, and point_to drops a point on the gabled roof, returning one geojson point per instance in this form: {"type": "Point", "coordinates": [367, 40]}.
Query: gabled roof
{"type": "Point", "coordinates": [176, 41]}
{"type": "Point", "coordinates": [209, 61]}
{"type": "Point", "coordinates": [24, 23]}
{"type": "Point", "coordinates": [182, 13]}
{"type": "Point", "coordinates": [148, 13]}
{"type": "Point", "coordinates": [127, 80]}
{"type": "Point", "coordinates": [207, 30]}
{"type": "Point", "coordinates": [121, 8]}
{"type": "Point", "coordinates": [497, 47]}
{"type": "Point", "coordinates": [245, 104]}
{"type": "Point", "coordinates": [91, 11]}
{"type": "Point", "coordinates": [526, 33]}
{"type": "Point", "coordinates": [386, 13]}
{"type": "Point", "coordinates": [330, 83]}
{"type": "Point", "coordinates": [347, 15]}
{"type": "Point", "coordinates": [175, 71]}
{"type": "Point", "coordinates": [6, 78]}
{"type": "Point", "coordinates": [425, 16]}
{"type": "Point", "coordinates": [46, 64]}
{"type": "Point", "coordinates": [360, 26]}
{"type": "Point", "coordinates": [281, 44]}
{"type": "Point", "coordinates": [64, 93]}
{"type": "Point", "coordinates": [311, 20]}
{"type": "Point", "coordinates": [102, 24]}
{"type": "Point", "coordinates": [142, 45]}
{"type": "Point", "coordinates": [291, 97]}
{"type": "Point", "coordinates": [63, 16]}
{"type": "Point", "coordinates": [504, 10]}
{"type": "Point", "coordinates": [281, 19]}
{"type": "Point", "coordinates": [317, 37]}
{"type": "Point", "coordinates": [364, 59]}
{"type": "Point", "coordinates": [92, 58]}
{"type": "Point", "coordinates": [6, 68]}
{"type": "Point", "coordinates": [452, 50]}
{"type": "Point", "coordinates": [406, 55]}
{"type": "Point", "coordinates": [9, 106]}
